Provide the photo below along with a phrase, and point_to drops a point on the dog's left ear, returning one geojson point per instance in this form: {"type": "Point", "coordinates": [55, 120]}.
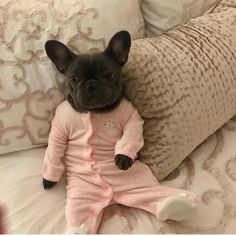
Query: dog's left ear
{"type": "Point", "coordinates": [119, 46]}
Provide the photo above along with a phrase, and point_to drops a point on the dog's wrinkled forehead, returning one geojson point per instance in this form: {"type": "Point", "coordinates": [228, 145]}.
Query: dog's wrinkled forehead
{"type": "Point", "coordinates": [90, 65]}
{"type": "Point", "coordinates": [117, 51]}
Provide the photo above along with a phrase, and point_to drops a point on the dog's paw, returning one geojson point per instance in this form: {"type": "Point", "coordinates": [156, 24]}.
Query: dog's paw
{"type": "Point", "coordinates": [47, 184]}
{"type": "Point", "coordinates": [123, 162]}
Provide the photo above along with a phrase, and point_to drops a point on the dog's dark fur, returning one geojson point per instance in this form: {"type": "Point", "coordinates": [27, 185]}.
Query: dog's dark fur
{"type": "Point", "coordinates": [94, 80]}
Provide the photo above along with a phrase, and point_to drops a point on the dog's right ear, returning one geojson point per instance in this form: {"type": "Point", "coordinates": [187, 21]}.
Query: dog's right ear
{"type": "Point", "coordinates": [59, 54]}
{"type": "Point", "coordinates": [119, 46]}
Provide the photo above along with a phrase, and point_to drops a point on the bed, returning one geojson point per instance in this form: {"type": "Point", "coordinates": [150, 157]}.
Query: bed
{"type": "Point", "coordinates": [172, 105]}
{"type": "Point", "coordinates": [210, 171]}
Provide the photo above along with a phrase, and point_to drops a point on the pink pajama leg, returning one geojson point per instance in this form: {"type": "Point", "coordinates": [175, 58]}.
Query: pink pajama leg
{"type": "Point", "coordinates": [84, 206]}
{"type": "Point", "coordinates": [81, 217]}
{"type": "Point", "coordinates": [140, 189]}
{"type": "Point", "coordinates": [152, 198]}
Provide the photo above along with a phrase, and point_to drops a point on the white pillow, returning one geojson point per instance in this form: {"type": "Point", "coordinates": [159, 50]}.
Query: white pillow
{"type": "Point", "coordinates": [29, 85]}
{"type": "Point", "coordinates": [162, 15]}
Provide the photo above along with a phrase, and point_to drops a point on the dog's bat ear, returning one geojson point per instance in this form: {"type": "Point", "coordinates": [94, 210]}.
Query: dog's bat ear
{"type": "Point", "coordinates": [119, 46]}
{"type": "Point", "coordinates": [59, 54]}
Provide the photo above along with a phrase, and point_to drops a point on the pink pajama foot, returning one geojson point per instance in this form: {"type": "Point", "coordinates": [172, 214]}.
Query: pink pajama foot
{"type": "Point", "coordinates": [178, 208]}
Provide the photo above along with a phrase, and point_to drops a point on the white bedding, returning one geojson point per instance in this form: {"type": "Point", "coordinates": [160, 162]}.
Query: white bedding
{"type": "Point", "coordinates": [210, 171]}
{"type": "Point", "coordinates": [31, 209]}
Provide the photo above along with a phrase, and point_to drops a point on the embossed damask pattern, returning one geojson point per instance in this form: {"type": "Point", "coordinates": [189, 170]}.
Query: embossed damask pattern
{"type": "Point", "coordinates": [183, 83]}
{"type": "Point", "coordinates": [29, 86]}
{"type": "Point", "coordinates": [213, 170]}
{"type": "Point", "coordinates": [209, 171]}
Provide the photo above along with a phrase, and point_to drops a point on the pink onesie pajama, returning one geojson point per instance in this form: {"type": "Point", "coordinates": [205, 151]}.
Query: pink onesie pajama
{"type": "Point", "coordinates": [85, 144]}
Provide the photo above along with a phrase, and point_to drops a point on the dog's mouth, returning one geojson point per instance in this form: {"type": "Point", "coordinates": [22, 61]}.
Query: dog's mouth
{"type": "Point", "coordinates": [98, 99]}
{"type": "Point", "coordinates": [95, 102]}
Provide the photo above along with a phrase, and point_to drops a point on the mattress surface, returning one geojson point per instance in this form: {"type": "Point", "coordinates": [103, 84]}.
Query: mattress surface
{"type": "Point", "coordinates": [210, 171]}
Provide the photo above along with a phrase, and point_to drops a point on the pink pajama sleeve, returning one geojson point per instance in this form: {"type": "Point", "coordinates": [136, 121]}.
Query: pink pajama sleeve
{"type": "Point", "coordinates": [132, 139]}
{"type": "Point", "coordinates": [53, 165]}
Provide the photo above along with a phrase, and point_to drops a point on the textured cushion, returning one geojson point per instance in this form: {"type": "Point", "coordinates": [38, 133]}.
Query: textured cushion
{"type": "Point", "coordinates": [184, 85]}
{"type": "Point", "coordinates": [28, 83]}
{"type": "Point", "coordinates": [161, 16]}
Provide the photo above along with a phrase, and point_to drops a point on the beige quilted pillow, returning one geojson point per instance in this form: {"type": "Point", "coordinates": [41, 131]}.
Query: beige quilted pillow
{"type": "Point", "coordinates": [160, 16]}
{"type": "Point", "coordinates": [184, 85]}
{"type": "Point", "coordinates": [29, 86]}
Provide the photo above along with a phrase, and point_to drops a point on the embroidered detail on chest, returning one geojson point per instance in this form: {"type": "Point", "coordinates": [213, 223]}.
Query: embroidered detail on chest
{"type": "Point", "coordinates": [110, 125]}
{"type": "Point", "coordinates": [110, 128]}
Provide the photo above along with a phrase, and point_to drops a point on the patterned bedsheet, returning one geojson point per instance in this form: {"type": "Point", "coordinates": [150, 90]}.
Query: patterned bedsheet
{"type": "Point", "coordinates": [209, 171]}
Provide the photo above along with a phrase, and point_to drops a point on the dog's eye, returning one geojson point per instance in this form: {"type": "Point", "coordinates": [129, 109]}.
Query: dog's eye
{"type": "Point", "coordinates": [74, 79]}
{"type": "Point", "coordinates": [108, 75]}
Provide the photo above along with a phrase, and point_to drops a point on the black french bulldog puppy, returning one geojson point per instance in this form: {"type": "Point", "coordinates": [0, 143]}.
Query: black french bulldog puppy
{"type": "Point", "coordinates": [94, 80]}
